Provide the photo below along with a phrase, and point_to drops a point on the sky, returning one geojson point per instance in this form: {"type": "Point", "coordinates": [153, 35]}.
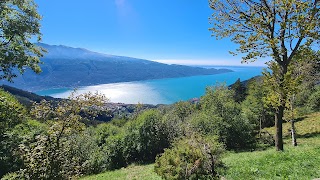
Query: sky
{"type": "Point", "coordinates": [169, 31]}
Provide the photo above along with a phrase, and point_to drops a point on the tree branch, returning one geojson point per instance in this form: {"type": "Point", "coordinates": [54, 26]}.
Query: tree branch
{"type": "Point", "coordinates": [5, 43]}
{"type": "Point", "coordinates": [295, 49]}
{"type": "Point", "coordinates": [282, 37]}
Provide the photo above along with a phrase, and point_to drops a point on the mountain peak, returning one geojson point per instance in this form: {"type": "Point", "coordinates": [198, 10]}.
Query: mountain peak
{"type": "Point", "coordinates": [67, 52]}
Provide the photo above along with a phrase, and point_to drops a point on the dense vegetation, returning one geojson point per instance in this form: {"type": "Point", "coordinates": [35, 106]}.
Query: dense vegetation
{"type": "Point", "coordinates": [20, 26]}
{"type": "Point", "coordinates": [283, 31]}
{"type": "Point", "coordinates": [299, 162]}
{"type": "Point", "coordinates": [53, 140]}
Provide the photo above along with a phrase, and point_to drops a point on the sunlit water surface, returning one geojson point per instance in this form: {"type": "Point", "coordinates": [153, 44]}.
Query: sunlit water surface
{"type": "Point", "coordinates": [160, 91]}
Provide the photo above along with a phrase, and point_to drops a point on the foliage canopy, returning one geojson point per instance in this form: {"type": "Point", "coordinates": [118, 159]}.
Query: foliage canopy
{"type": "Point", "coordinates": [19, 25]}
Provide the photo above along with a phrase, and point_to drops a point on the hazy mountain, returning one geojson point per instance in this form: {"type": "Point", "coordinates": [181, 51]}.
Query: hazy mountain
{"type": "Point", "coordinates": [73, 67]}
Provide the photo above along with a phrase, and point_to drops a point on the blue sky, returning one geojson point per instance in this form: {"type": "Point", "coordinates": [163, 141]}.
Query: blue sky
{"type": "Point", "coordinates": [171, 31]}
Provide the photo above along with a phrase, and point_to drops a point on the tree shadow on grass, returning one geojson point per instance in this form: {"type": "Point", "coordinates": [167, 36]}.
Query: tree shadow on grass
{"type": "Point", "coordinates": [309, 135]}
{"type": "Point", "coordinates": [300, 119]}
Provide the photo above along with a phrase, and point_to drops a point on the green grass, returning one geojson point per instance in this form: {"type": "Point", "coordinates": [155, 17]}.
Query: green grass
{"type": "Point", "coordinates": [306, 127]}
{"type": "Point", "coordinates": [301, 162]}
{"type": "Point", "coordinates": [133, 172]}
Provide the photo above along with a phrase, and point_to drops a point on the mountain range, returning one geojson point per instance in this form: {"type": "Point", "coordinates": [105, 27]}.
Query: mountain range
{"type": "Point", "coordinates": [68, 67]}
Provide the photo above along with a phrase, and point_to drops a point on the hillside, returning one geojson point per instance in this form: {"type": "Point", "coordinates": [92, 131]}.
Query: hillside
{"type": "Point", "coordinates": [73, 67]}
{"type": "Point", "coordinates": [115, 110]}
{"type": "Point", "coordinates": [26, 98]}
{"type": "Point", "coordinates": [301, 162]}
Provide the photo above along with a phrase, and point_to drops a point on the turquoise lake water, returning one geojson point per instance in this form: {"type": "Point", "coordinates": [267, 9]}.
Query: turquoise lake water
{"type": "Point", "coordinates": [161, 91]}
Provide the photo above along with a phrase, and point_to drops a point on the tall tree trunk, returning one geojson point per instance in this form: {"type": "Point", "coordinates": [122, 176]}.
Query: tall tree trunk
{"type": "Point", "coordinates": [261, 120]}
{"type": "Point", "coordinates": [293, 133]}
{"type": "Point", "coordinates": [278, 126]}
{"type": "Point", "coordinates": [293, 130]}
{"type": "Point", "coordinates": [281, 107]}
{"type": "Point", "coordinates": [260, 130]}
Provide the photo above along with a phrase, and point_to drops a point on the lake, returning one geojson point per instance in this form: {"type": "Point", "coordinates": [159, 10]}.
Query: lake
{"type": "Point", "coordinates": [161, 91]}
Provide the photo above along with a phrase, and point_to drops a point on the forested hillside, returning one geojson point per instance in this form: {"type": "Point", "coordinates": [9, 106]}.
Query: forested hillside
{"type": "Point", "coordinates": [73, 67]}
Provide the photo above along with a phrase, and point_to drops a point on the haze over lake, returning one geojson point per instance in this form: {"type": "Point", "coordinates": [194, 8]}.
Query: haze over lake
{"type": "Point", "coordinates": [161, 91]}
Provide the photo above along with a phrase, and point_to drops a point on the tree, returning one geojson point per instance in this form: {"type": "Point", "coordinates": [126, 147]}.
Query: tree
{"type": "Point", "coordinates": [314, 100]}
{"type": "Point", "coordinates": [56, 153]}
{"type": "Point", "coordinates": [269, 28]}
{"type": "Point", "coordinates": [254, 108]}
{"type": "Point", "coordinates": [220, 115]}
{"type": "Point", "coordinates": [239, 91]}
{"type": "Point", "coordinates": [145, 138]}
{"type": "Point", "coordinates": [302, 74]}
{"type": "Point", "coordinates": [19, 25]}
{"type": "Point", "coordinates": [12, 113]}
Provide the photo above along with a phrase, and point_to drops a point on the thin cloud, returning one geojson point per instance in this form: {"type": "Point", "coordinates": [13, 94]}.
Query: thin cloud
{"type": "Point", "coordinates": [124, 9]}
{"type": "Point", "coordinates": [120, 3]}
{"type": "Point", "coordinates": [127, 17]}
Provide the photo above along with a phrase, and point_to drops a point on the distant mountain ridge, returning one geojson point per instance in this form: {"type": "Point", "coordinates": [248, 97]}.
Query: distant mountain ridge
{"type": "Point", "coordinates": [65, 66]}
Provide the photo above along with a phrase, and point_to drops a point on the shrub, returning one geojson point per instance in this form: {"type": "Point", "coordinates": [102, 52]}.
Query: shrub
{"type": "Point", "coordinates": [145, 137]}
{"type": "Point", "coordinates": [139, 140]}
{"type": "Point", "coordinates": [21, 133]}
{"type": "Point", "coordinates": [73, 156]}
{"type": "Point", "coordinates": [83, 154]}
{"type": "Point", "coordinates": [110, 140]}
{"type": "Point", "coordinates": [173, 126]}
{"type": "Point", "coordinates": [103, 131]}
{"type": "Point", "coordinates": [11, 176]}
{"type": "Point", "coordinates": [113, 151]}
{"type": "Point", "coordinates": [65, 149]}
{"type": "Point", "coordinates": [12, 112]}
{"type": "Point", "coordinates": [314, 100]}
{"type": "Point", "coordinates": [220, 115]}
{"type": "Point", "coordinates": [183, 109]}
{"type": "Point", "coordinates": [235, 133]}
{"type": "Point", "coordinates": [194, 157]}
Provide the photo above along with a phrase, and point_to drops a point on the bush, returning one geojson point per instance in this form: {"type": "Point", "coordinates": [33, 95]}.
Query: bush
{"type": "Point", "coordinates": [314, 100]}
{"type": "Point", "coordinates": [65, 149]}
{"type": "Point", "coordinates": [21, 133]}
{"type": "Point", "coordinates": [173, 126]}
{"type": "Point", "coordinates": [183, 109]}
{"type": "Point", "coordinates": [220, 115]}
{"type": "Point", "coordinates": [113, 151]}
{"type": "Point", "coordinates": [254, 107]}
{"type": "Point", "coordinates": [103, 131]}
{"type": "Point", "coordinates": [235, 133]}
{"type": "Point", "coordinates": [11, 176]}
{"type": "Point", "coordinates": [83, 154]}
{"type": "Point", "coordinates": [194, 157]}
{"type": "Point", "coordinates": [139, 140]}
{"type": "Point", "coordinates": [12, 112]}
{"type": "Point", "coordinates": [145, 137]}
{"type": "Point", "coordinates": [75, 155]}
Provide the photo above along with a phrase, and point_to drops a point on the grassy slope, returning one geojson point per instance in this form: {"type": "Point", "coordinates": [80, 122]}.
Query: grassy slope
{"type": "Point", "coordinates": [301, 162]}
{"type": "Point", "coordinates": [130, 173]}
